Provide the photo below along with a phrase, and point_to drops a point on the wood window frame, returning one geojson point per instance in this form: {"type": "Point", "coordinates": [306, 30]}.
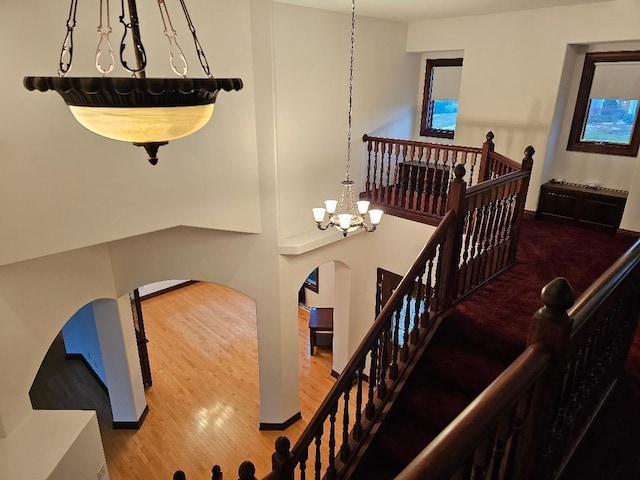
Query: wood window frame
{"type": "Point", "coordinates": [427, 110]}
{"type": "Point", "coordinates": [575, 143]}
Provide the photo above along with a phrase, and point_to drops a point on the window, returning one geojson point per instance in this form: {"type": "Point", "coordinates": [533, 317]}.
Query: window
{"type": "Point", "coordinates": [440, 100]}
{"type": "Point", "coordinates": [311, 281]}
{"type": "Point", "coordinates": [605, 119]}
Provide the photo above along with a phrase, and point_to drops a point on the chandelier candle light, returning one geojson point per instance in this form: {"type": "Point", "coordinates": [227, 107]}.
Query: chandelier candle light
{"type": "Point", "coordinates": [145, 111]}
{"type": "Point", "coordinates": [346, 214]}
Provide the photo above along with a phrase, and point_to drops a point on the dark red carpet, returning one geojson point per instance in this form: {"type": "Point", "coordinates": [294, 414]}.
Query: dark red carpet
{"type": "Point", "coordinates": [486, 332]}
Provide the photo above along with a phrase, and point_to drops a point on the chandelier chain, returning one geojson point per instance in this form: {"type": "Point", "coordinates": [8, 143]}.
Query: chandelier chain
{"type": "Point", "coordinates": [104, 41]}
{"type": "Point", "coordinates": [199, 50]}
{"type": "Point", "coordinates": [351, 52]}
{"type": "Point", "coordinates": [66, 52]}
{"type": "Point", "coordinates": [134, 27]}
{"type": "Point", "coordinates": [172, 36]}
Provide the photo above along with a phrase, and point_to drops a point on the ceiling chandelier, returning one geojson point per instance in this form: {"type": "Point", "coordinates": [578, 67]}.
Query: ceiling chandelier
{"type": "Point", "coordinates": [148, 112]}
{"type": "Point", "coordinates": [347, 214]}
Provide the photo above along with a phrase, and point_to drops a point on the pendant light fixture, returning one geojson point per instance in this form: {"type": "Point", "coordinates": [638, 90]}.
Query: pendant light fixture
{"type": "Point", "coordinates": [347, 214]}
{"type": "Point", "coordinates": [148, 112]}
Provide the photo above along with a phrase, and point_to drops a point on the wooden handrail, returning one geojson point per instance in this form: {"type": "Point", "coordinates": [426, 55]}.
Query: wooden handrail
{"type": "Point", "coordinates": [597, 293]}
{"type": "Point", "coordinates": [444, 454]}
{"type": "Point", "coordinates": [413, 143]}
{"type": "Point", "coordinates": [497, 182]}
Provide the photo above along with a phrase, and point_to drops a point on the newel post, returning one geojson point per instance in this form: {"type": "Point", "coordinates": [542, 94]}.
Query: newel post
{"type": "Point", "coordinates": [527, 165]}
{"type": "Point", "coordinates": [450, 254]}
{"type": "Point", "coordinates": [484, 173]}
{"type": "Point", "coordinates": [281, 459]}
{"type": "Point", "coordinates": [551, 326]}
{"type": "Point", "coordinates": [247, 471]}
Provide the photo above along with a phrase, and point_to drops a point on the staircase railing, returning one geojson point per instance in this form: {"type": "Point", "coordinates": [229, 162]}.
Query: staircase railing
{"type": "Point", "coordinates": [530, 420]}
{"type": "Point", "coordinates": [492, 213]}
{"type": "Point", "coordinates": [411, 179]}
{"type": "Point", "coordinates": [341, 428]}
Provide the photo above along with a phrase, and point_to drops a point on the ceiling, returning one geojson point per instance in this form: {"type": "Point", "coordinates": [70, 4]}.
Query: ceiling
{"type": "Point", "coordinates": [410, 10]}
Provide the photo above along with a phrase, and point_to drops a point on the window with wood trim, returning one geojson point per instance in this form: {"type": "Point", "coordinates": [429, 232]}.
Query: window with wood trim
{"type": "Point", "coordinates": [440, 99]}
{"type": "Point", "coordinates": [605, 119]}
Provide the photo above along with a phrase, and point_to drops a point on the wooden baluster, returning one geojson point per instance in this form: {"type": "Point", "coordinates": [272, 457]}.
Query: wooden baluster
{"type": "Point", "coordinates": [388, 189]}
{"type": "Point", "coordinates": [472, 168]}
{"type": "Point", "coordinates": [477, 250]}
{"type": "Point", "coordinates": [395, 340]}
{"type": "Point", "coordinates": [247, 471]}
{"type": "Point", "coordinates": [397, 177]}
{"type": "Point", "coordinates": [421, 196]}
{"type": "Point", "coordinates": [551, 326]}
{"type": "Point", "coordinates": [345, 450]}
{"type": "Point", "coordinates": [318, 462]}
{"type": "Point", "coordinates": [216, 472]}
{"type": "Point", "coordinates": [331, 469]}
{"type": "Point", "coordinates": [522, 410]}
{"type": "Point", "coordinates": [383, 365]}
{"type": "Point", "coordinates": [493, 233]}
{"type": "Point", "coordinates": [303, 464]}
{"type": "Point", "coordinates": [485, 263]}
{"type": "Point", "coordinates": [357, 426]}
{"type": "Point", "coordinates": [367, 185]}
{"type": "Point", "coordinates": [370, 409]}
{"type": "Point", "coordinates": [420, 302]}
{"type": "Point", "coordinates": [374, 174]}
{"type": "Point", "coordinates": [281, 459]}
{"type": "Point", "coordinates": [430, 295]}
{"type": "Point", "coordinates": [406, 326]}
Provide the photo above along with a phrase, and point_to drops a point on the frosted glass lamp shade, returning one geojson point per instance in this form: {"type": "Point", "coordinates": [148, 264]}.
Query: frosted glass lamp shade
{"type": "Point", "coordinates": [363, 206]}
{"type": "Point", "coordinates": [375, 216]}
{"type": "Point", "coordinates": [318, 214]}
{"type": "Point", "coordinates": [331, 206]}
{"type": "Point", "coordinates": [344, 219]}
{"type": "Point", "coordinates": [143, 124]}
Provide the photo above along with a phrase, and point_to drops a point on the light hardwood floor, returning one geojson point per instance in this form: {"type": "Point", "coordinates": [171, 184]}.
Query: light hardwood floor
{"type": "Point", "coordinates": [204, 402]}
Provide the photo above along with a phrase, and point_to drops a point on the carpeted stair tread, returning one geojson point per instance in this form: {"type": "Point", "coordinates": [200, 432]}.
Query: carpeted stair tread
{"type": "Point", "coordinates": [399, 445]}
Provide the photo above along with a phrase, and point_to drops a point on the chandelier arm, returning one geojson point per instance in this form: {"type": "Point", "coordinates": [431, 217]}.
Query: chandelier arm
{"type": "Point", "coordinates": [66, 52]}
{"type": "Point", "coordinates": [199, 50]}
{"type": "Point", "coordinates": [134, 26]}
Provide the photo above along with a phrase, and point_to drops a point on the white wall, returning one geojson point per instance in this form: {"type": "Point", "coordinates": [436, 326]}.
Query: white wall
{"type": "Point", "coordinates": [326, 287]}
{"type": "Point", "coordinates": [63, 187]}
{"type": "Point", "coordinates": [54, 445]}
{"type": "Point", "coordinates": [312, 84]}
{"type": "Point", "coordinates": [81, 338]}
{"type": "Point", "coordinates": [513, 70]}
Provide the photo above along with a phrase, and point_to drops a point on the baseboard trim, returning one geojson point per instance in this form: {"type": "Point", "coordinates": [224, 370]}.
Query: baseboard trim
{"type": "Point", "coordinates": [167, 290]}
{"type": "Point", "coordinates": [82, 358]}
{"type": "Point", "coordinates": [132, 425]}
{"type": "Point", "coordinates": [631, 233]}
{"type": "Point", "coordinates": [280, 426]}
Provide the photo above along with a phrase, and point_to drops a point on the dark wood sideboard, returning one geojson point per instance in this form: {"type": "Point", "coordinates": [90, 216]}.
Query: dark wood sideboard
{"type": "Point", "coordinates": [600, 208]}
